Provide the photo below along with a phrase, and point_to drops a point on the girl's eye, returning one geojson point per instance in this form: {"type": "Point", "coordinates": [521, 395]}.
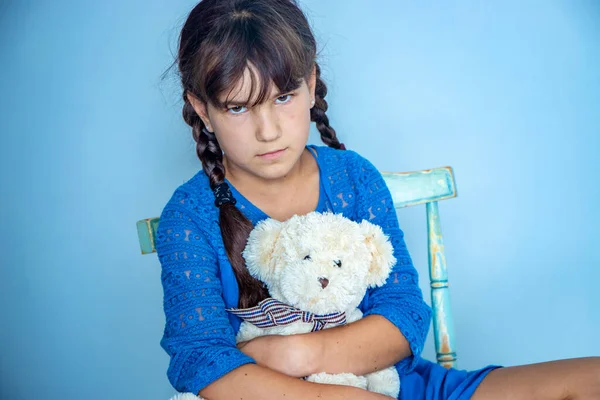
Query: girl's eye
{"type": "Point", "coordinates": [284, 99]}
{"type": "Point", "coordinates": [307, 258]}
{"type": "Point", "coordinates": [236, 110]}
{"type": "Point", "coordinates": [338, 263]}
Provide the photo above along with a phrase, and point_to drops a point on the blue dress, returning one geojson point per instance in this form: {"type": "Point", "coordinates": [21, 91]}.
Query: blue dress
{"type": "Point", "coordinates": [432, 381]}
{"type": "Point", "coordinates": [199, 283]}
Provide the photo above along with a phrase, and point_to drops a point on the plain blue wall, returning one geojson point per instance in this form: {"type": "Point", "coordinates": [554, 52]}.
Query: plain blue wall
{"type": "Point", "coordinates": [92, 140]}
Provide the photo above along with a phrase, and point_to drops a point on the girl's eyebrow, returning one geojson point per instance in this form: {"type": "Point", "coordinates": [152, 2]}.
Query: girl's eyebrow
{"type": "Point", "coordinates": [244, 103]}
{"type": "Point", "coordinates": [237, 103]}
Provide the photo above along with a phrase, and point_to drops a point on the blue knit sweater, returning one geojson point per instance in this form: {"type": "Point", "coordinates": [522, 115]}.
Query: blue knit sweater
{"type": "Point", "coordinates": [199, 283]}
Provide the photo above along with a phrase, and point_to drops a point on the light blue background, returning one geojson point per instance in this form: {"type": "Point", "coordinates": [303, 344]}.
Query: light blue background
{"type": "Point", "coordinates": [508, 93]}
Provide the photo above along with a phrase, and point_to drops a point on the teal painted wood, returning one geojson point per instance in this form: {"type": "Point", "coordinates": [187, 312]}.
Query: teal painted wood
{"type": "Point", "coordinates": [419, 187]}
{"type": "Point", "coordinates": [407, 189]}
{"type": "Point", "coordinates": [146, 229]}
{"type": "Point", "coordinates": [443, 327]}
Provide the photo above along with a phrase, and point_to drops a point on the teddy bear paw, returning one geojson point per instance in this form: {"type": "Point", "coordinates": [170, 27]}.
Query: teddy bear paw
{"type": "Point", "coordinates": [339, 379]}
{"type": "Point", "coordinates": [386, 382]}
{"type": "Point", "coordinates": [185, 396]}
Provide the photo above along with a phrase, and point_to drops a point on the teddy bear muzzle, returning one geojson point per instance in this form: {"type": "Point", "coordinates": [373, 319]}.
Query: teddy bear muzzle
{"type": "Point", "coordinates": [324, 282]}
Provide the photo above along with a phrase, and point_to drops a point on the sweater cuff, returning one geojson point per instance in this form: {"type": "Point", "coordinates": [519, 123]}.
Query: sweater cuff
{"type": "Point", "coordinates": [412, 325]}
{"type": "Point", "coordinates": [196, 373]}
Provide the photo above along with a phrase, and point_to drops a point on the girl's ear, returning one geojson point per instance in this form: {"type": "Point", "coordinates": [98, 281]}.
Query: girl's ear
{"type": "Point", "coordinates": [259, 251]}
{"type": "Point", "coordinates": [382, 253]}
{"type": "Point", "coordinates": [200, 108]}
{"type": "Point", "coordinates": [312, 83]}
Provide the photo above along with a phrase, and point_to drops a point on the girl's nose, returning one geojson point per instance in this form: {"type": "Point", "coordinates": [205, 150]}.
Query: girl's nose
{"type": "Point", "coordinates": [268, 129]}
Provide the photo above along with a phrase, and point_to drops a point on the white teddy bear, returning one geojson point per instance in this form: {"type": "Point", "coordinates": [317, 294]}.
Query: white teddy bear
{"type": "Point", "coordinates": [185, 396]}
{"type": "Point", "coordinates": [317, 268]}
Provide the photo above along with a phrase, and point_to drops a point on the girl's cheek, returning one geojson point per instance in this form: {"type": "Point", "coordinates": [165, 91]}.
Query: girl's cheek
{"type": "Point", "coordinates": [292, 113]}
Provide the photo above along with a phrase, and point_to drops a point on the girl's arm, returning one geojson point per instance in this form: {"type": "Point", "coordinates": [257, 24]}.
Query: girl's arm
{"type": "Point", "coordinates": [254, 382]}
{"type": "Point", "coordinates": [396, 319]}
{"type": "Point", "coordinates": [198, 336]}
{"type": "Point", "coordinates": [368, 345]}
{"type": "Point", "coordinates": [399, 300]}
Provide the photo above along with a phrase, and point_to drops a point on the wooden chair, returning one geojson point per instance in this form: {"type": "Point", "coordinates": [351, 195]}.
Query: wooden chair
{"type": "Point", "coordinates": [407, 189]}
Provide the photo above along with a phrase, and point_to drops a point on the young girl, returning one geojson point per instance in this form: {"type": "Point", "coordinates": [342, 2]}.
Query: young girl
{"type": "Point", "coordinates": [251, 87]}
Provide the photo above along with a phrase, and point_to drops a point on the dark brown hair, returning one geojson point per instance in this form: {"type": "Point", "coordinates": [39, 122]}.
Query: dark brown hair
{"type": "Point", "coordinates": [219, 40]}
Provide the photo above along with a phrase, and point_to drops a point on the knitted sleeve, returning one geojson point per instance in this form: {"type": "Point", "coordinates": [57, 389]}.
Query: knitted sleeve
{"type": "Point", "coordinates": [400, 299]}
{"type": "Point", "coordinates": [198, 336]}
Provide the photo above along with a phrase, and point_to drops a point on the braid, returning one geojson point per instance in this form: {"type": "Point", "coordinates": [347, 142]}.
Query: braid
{"type": "Point", "coordinates": [317, 114]}
{"type": "Point", "coordinates": [235, 227]}
{"type": "Point", "coordinates": [207, 147]}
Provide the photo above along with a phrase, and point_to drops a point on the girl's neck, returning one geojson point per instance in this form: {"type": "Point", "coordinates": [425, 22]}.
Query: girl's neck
{"type": "Point", "coordinates": [247, 183]}
{"type": "Point", "coordinates": [295, 193]}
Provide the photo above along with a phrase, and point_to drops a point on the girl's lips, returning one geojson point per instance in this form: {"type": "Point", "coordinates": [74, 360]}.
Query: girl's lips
{"type": "Point", "coordinates": [272, 155]}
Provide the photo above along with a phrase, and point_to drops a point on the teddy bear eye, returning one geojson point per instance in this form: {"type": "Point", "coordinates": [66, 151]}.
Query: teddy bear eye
{"type": "Point", "coordinates": [338, 263]}
{"type": "Point", "coordinates": [307, 257]}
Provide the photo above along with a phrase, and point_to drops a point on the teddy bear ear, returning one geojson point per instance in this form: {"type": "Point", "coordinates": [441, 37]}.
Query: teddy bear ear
{"type": "Point", "coordinates": [260, 247]}
{"type": "Point", "coordinates": [382, 253]}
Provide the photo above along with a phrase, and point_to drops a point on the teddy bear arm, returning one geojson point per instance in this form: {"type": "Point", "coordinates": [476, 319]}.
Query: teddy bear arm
{"type": "Point", "coordinates": [386, 381]}
{"type": "Point", "coordinates": [248, 332]}
{"type": "Point", "coordinates": [353, 315]}
{"type": "Point", "coordinates": [186, 396]}
{"type": "Point", "coordinates": [345, 379]}
{"type": "Point", "coordinates": [294, 328]}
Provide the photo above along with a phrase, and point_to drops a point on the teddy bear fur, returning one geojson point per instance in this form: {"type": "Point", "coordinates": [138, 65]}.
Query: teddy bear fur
{"type": "Point", "coordinates": [185, 396]}
{"type": "Point", "coordinates": [294, 257]}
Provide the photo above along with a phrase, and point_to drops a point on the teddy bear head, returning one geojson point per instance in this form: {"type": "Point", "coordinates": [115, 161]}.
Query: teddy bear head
{"type": "Point", "coordinates": [319, 262]}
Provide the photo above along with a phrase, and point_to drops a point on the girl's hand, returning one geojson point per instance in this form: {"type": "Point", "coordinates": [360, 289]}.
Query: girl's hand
{"type": "Point", "coordinates": [290, 355]}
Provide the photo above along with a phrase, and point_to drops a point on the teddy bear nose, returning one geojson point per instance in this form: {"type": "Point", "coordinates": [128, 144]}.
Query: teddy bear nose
{"type": "Point", "coordinates": [324, 282]}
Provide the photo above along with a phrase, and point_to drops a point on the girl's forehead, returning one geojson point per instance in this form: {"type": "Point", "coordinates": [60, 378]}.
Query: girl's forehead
{"type": "Point", "coordinates": [247, 89]}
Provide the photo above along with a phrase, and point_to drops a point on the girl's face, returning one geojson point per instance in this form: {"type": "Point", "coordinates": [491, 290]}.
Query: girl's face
{"type": "Point", "coordinates": [267, 140]}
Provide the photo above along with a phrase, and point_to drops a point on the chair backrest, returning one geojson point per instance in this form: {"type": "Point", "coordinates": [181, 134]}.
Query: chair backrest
{"type": "Point", "coordinates": [408, 189]}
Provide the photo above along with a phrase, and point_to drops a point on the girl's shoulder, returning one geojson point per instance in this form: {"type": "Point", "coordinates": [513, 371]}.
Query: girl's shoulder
{"type": "Point", "coordinates": [339, 165]}
{"type": "Point", "coordinates": [350, 181]}
{"type": "Point", "coordinates": [195, 199]}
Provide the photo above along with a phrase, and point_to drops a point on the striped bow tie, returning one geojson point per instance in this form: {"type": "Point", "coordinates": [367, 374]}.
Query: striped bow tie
{"type": "Point", "coordinates": [271, 312]}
